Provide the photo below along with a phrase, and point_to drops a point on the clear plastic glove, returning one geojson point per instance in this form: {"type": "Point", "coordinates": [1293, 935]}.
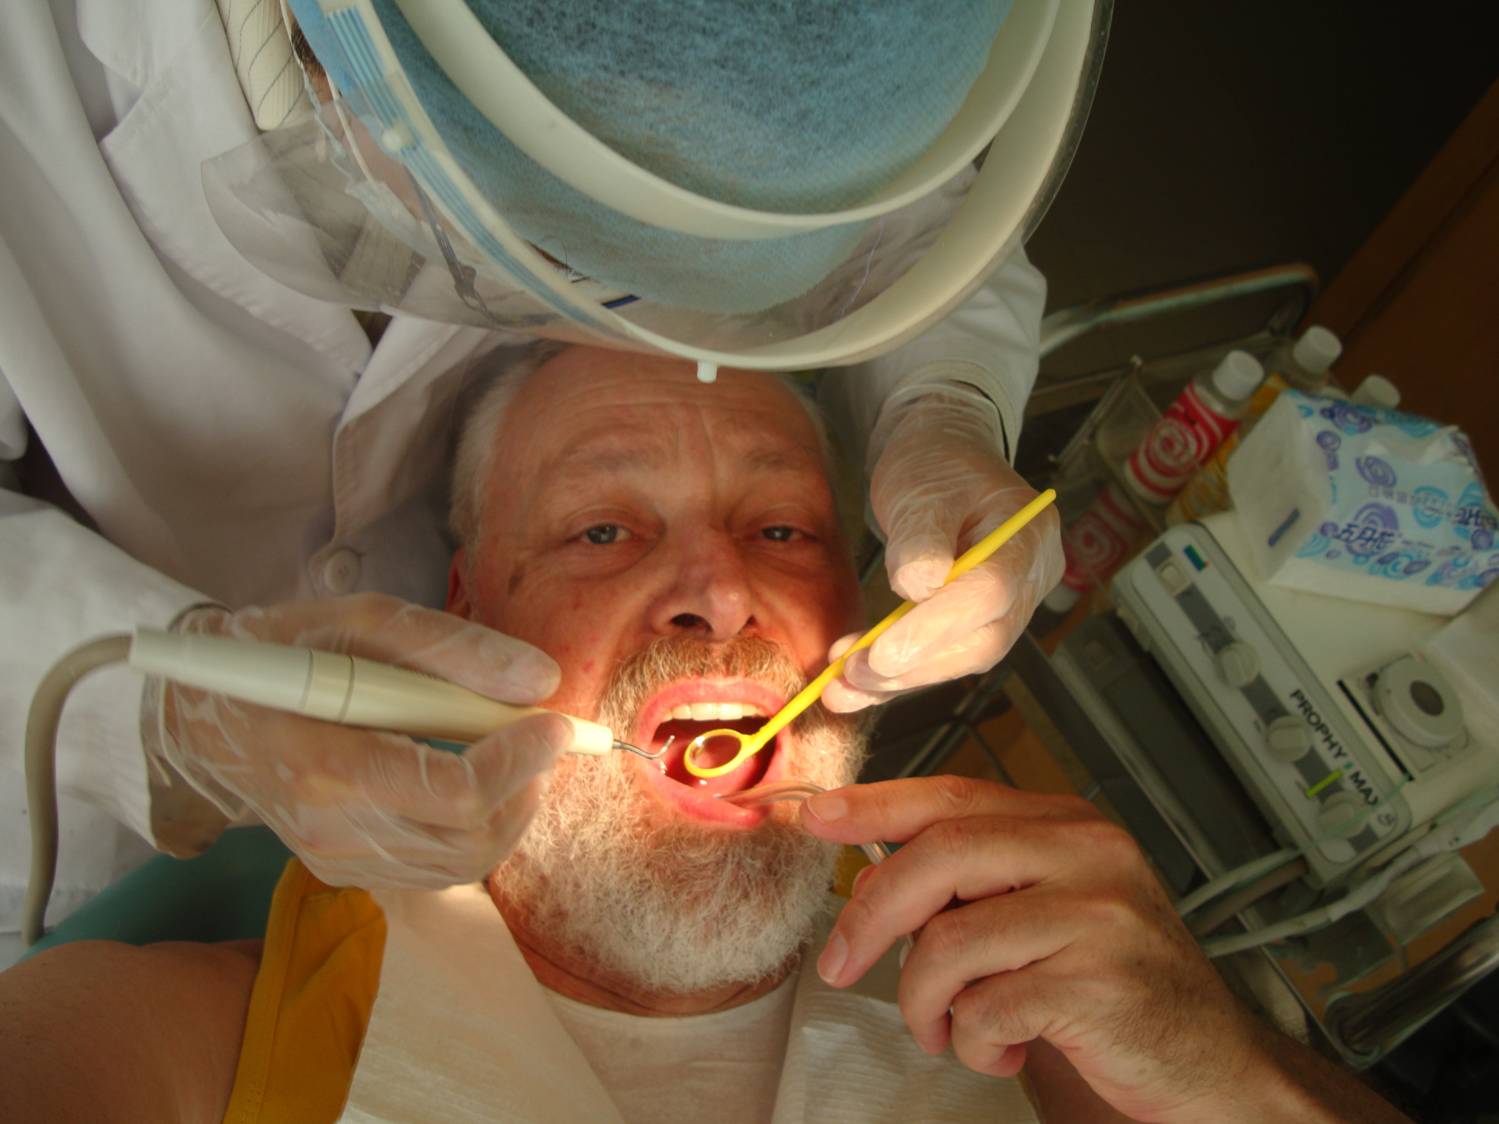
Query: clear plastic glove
{"type": "Point", "coordinates": [940, 484]}
{"type": "Point", "coordinates": [360, 807]}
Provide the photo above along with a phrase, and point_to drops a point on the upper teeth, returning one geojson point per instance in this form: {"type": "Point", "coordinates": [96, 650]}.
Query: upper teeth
{"type": "Point", "coordinates": [715, 711]}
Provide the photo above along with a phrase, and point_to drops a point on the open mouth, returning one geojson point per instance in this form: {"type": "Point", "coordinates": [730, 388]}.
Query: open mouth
{"type": "Point", "coordinates": [684, 711]}
{"type": "Point", "coordinates": [681, 732]}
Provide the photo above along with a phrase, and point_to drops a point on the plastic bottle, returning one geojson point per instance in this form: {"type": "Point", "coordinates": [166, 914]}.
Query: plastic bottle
{"type": "Point", "coordinates": [1376, 390]}
{"type": "Point", "coordinates": [1193, 427]}
{"type": "Point", "coordinates": [1100, 540]}
{"type": "Point", "coordinates": [1096, 544]}
{"type": "Point", "coordinates": [1305, 364]}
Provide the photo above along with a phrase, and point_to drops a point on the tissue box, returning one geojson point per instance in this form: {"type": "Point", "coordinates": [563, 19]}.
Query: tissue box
{"type": "Point", "coordinates": [1364, 503]}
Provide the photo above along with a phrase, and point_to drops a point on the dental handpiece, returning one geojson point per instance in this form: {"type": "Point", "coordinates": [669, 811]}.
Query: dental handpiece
{"type": "Point", "coordinates": [349, 690]}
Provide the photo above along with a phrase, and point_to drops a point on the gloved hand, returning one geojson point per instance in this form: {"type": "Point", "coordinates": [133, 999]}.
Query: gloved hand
{"type": "Point", "coordinates": [360, 807]}
{"type": "Point", "coordinates": [940, 484]}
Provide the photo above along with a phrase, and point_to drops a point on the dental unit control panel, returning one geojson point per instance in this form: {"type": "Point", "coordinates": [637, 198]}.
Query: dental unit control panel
{"type": "Point", "coordinates": [1347, 738]}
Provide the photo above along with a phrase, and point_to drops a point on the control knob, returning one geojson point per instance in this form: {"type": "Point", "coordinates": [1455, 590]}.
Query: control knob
{"type": "Point", "coordinates": [1238, 664]}
{"type": "Point", "coordinates": [1288, 739]}
{"type": "Point", "coordinates": [1342, 815]}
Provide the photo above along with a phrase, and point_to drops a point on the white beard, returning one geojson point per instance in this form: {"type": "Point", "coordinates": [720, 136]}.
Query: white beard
{"type": "Point", "coordinates": [677, 907]}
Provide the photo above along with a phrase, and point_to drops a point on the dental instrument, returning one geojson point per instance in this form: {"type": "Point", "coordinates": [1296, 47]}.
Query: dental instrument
{"type": "Point", "coordinates": [349, 690]}
{"type": "Point", "coordinates": [330, 686]}
{"type": "Point", "coordinates": [751, 744]}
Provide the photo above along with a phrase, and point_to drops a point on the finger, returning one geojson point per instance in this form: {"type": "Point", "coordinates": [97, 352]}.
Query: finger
{"type": "Point", "coordinates": [918, 563]}
{"type": "Point", "coordinates": [507, 760]}
{"type": "Point", "coordinates": [360, 845]}
{"type": "Point", "coordinates": [968, 859]}
{"type": "Point", "coordinates": [455, 855]}
{"type": "Point", "coordinates": [995, 1017]}
{"type": "Point", "coordinates": [983, 938]}
{"type": "Point", "coordinates": [841, 645]}
{"type": "Point", "coordinates": [974, 653]}
{"type": "Point", "coordinates": [895, 811]}
{"type": "Point", "coordinates": [510, 822]}
{"type": "Point", "coordinates": [418, 782]}
{"type": "Point", "coordinates": [1008, 585]}
{"type": "Point", "coordinates": [461, 652]}
{"type": "Point", "coordinates": [920, 546]}
{"type": "Point", "coordinates": [980, 596]}
{"type": "Point", "coordinates": [393, 631]}
{"type": "Point", "coordinates": [366, 846]}
{"type": "Point", "coordinates": [840, 698]}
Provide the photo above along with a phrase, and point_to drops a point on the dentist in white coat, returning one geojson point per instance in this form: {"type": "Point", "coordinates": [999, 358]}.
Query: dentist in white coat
{"type": "Point", "coordinates": [178, 429]}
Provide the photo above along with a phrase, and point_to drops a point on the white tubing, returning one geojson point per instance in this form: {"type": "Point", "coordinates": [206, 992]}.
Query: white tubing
{"type": "Point", "coordinates": [1234, 879]}
{"type": "Point", "coordinates": [1317, 918]}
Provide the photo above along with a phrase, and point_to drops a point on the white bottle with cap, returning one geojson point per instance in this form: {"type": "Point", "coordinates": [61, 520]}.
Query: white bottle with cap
{"type": "Point", "coordinates": [1376, 390]}
{"type": "Point", "coordinates": [1306, 364]}
{"type": "Point", "coordinates": [1192, 428]}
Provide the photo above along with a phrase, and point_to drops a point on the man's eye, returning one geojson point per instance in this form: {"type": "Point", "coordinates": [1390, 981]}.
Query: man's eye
{"type": "Point", "coordinates": [605, 534]}
{"type": "Point", "coordinates": [780, 533]}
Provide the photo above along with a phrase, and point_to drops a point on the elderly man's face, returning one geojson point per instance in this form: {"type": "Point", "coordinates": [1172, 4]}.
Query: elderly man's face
{"type": "Point", "coordinates": [675, 547]}
{"type": "Point", "coordinates": [630, 503]}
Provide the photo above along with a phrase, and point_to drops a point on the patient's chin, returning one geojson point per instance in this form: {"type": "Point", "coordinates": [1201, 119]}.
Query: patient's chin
{"type": "Point", "coordinates": [675, 907]}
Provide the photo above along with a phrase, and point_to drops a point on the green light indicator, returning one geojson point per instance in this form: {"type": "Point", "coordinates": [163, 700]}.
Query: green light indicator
{"type": "Point", "coordinates": [1331, 778]}
{"type": "Point", "coordinates": [1194, 558]}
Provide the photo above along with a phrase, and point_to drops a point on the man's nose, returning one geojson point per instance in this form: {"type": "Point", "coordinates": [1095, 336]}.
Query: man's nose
{"type": "Point", "coordinates": [707, 592]}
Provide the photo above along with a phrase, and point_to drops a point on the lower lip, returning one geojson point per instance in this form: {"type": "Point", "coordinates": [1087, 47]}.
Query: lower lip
{"type": "Point", "coordinates": [700, 805]}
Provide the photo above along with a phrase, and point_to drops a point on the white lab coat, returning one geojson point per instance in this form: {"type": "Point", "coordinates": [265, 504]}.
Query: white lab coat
{"type": "Point", "coordinates": [229, 439]}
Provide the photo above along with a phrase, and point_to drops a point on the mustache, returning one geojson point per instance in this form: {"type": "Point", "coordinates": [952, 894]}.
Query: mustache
{"type": "Point", "coordinates": [668, 659]}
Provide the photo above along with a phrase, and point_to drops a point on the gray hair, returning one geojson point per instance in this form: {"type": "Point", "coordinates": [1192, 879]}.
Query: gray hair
{"type": "Point", "coordinates": [482, 409]}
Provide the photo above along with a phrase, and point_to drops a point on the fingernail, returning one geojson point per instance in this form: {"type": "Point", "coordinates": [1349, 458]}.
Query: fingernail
{"type": "Point", "coordinates": [916, 581]}
{"type": "Point", "coordinates": [827, 807]}
{"type": "Point", "coordinates": [833, 957]}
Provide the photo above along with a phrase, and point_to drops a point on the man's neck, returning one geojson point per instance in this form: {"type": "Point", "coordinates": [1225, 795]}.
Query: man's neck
{"type": "Point", "coordinates": [573, 978]}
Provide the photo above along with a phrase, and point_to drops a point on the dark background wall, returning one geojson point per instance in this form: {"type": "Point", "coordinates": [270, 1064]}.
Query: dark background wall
{"type": "Point", "coordinates": [1237, 133]}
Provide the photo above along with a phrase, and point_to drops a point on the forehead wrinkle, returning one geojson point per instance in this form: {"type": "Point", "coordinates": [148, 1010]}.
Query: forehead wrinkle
{"type": "Point", "coordinates": [758, 436]}
{"type": "Point", "coordinates": [767, 449]}
{"type": "Point", "coordinates": [616, 449]}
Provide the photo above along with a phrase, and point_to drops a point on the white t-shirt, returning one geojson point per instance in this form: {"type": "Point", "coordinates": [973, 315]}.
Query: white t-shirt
{"type": "Point", "coordinates": [660, 1071]}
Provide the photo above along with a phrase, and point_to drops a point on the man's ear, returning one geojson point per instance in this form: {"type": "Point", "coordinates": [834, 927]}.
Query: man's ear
{"type": "Point", "coordinates": [458, 601]}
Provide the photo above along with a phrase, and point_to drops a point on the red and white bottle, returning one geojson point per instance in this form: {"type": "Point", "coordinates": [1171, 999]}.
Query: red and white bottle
{"type": "Point", "coordinates": [1095, 545]}
{"type": "Point", "coordinates": [1192, 428]}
